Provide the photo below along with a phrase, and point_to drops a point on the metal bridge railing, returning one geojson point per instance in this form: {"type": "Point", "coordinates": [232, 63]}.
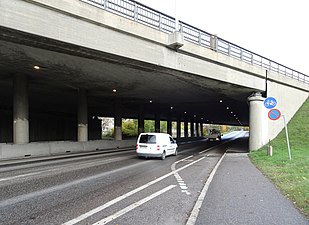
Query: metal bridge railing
{"type": "Point", "coordinates": [155, 19]}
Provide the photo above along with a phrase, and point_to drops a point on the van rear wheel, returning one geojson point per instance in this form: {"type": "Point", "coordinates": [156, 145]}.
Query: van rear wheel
{"type": "Point", "coordinates": [163, 155]}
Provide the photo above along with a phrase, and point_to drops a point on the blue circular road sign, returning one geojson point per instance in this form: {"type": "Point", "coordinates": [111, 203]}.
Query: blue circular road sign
{"type": "Point", "coordinates": [274, 114]}
{"type": "Point", "coordinates": [270, 102]}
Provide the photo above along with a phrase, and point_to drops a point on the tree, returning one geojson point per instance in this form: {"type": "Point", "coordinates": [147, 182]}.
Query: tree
{"type": "Point", "coordinates": [149, 125]}
{"type": "Point", "coordinates": [129, 128]}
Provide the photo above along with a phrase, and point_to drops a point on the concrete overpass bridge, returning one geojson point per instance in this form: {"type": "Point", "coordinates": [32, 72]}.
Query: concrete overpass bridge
{"type": "Point", "coordinates": [65, 63]}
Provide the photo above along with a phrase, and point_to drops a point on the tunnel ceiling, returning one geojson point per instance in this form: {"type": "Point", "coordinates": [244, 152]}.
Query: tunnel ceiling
{"type": "Point", "coordinates": [65, 68]}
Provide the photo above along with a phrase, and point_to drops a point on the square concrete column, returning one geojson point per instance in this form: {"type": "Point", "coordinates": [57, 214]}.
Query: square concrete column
{"type": "Point", "coordinates": [157, 122]}
{"type": "Point", "coordinates": [82, 116]}
{"type": "Point", "coordinates": [202, 133]}
{"type": "Point", "coordinates": [169, 125]}
{"type": "Point", "coordinates": [141, 122]}
{"type": "Point", "coordinates": [197, 128]}
{"type": "Point", "coordinates": [257, 122]}
{"type": "Point", "coordinates": [192, 128]}
{"type": "Point", "coordinates": [20, 110]}
{"type": "Point", "coordinates": [178, 128]}
{"type": "Point", "coordinates": [186, 129]}
{"type": "Point", "coordinates": [118, 121]}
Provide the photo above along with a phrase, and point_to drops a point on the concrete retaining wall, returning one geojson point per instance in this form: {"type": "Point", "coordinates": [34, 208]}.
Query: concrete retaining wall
{"type": "Point", "coordinates": [289, 99]}
{"type": "Point", "coordinates": [10, 151]}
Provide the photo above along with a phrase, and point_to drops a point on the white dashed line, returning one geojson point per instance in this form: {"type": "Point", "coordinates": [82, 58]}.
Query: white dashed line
{"type": "Point", "coordinates": [180, 181]}
{"type": "Point", "coordinates": [133, 206]}
{"type": "Point", "coordinates": [122, 197]}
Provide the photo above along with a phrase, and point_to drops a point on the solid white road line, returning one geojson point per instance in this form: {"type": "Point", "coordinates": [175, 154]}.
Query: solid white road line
{"type": "Point", "coordinates": [122, 197]}
{"type": "Point", "coordinates": [194, 214]}
{"type": "Point", "coordinates": [133, 206]}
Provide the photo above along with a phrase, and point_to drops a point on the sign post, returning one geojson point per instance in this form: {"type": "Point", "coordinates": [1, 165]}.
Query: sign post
{"type": "Point", "coordinates": [275, 114]}
{"type": "Point", "coordinates": [287, 137]}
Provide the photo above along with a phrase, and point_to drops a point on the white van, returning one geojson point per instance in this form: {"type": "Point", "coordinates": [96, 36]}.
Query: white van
{"type": "Point", "coordinates": [155, 145]}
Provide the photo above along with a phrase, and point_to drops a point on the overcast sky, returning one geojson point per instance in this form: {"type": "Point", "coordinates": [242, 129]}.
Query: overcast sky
{"type": "Point", "coordinates": [275, 29]}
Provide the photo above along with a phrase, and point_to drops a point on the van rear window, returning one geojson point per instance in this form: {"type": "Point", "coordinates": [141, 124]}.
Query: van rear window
{"type": "Point", "coordinates": [148, 139]}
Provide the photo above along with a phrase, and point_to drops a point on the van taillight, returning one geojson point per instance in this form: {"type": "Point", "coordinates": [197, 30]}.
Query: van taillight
{"type": "Point", "coordinates": [158, 147]}
{"type": "Point", "coordinates": [136, 147]}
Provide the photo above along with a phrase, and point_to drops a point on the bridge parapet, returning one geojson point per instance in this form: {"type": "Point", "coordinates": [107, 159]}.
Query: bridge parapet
{"type": "Point", "coordinates": [155, 19]}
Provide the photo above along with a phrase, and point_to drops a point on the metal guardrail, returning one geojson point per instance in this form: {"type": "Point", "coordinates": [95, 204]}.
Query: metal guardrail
{"type": "Point", "coordinates": [155, 19]}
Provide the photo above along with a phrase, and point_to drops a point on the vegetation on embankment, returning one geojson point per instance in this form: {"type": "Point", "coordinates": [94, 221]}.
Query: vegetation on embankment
{"type": "Point", "coordinates": [290, 177]}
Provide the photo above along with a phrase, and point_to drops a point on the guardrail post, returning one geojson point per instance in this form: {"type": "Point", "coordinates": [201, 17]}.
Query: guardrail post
{"type": "Point", "coordinates": [135, 11]}
{"type": "Point", "coordinates": [160, 22]}
{"type": "Point", "coordinates": [241, 55]}
{"type": "Point", "coordinates": [105, 4]}
{"type": "Point", "coordinates": [181, 28]}
{"type": "Point", "coordinates": [199, 38]}
{"type": "Point", "coordinates": [251, 58]}
{"type": "Point", "coordinates": [229, 49]}
{"type": "Point", "coordinates": [214, 42]}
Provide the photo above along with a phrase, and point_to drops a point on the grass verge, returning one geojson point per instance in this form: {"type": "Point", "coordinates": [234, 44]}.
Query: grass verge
{"type": "Point", "coordinates": [290, 177]}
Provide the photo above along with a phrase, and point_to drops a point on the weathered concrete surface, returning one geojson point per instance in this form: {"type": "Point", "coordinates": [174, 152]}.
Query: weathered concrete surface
{"type": "Point", "coordinates": [94, 49]}
{"type": "Point", "coordinates": [8, 151]}
{"type": "Point", "coordinates": [77, 23]}
{"type": "Point", "coordinates": [290, 95]}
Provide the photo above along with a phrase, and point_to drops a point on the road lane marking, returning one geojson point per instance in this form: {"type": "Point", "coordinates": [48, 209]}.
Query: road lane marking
{"type": "Point", "coordinates": [31, 195]}
{"type": "Point", "coordinates": [179, 179]}
{"type": "Point", "coordinates": [196, 209]}
{"type": "Point", "coordinates": [133, 206]}
{"type": "Point", "coordinates": [68, 168]}
{"type": "Point", "coordinates": [122, 197]}
{"type": "Point", "coordinates": [20, 176]}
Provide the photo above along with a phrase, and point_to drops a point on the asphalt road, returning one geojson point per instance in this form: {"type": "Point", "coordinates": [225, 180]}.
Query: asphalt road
{"type": "Point", "coordinates": [114, 188]}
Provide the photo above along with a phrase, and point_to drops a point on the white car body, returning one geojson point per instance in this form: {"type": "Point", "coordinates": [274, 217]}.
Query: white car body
{"type": "Point", "coordinates": [155, 145]}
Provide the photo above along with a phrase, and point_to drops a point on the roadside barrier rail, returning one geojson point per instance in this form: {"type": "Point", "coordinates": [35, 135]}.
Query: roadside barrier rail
{"type": "Point", "coordinates": [143, 14]}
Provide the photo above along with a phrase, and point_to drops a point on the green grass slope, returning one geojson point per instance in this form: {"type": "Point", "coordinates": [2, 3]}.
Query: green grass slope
{"type": "Point", "coordinates": [290, 177]}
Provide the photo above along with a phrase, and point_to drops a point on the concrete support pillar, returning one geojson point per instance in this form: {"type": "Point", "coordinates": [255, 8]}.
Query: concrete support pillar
{"type": "Point", "coordinates": [197, 127]}
{"type": "Point", "coordinates": [257, 122]}
{"type": "Point", "coordinates": [169, 125]}
{"type": "Point", "coordinates": [157, 122]}
{"type": "Point", "coordinates": [202, 133]}
{"type": "Point", "coordinates": [20, 110]}
{"type": "Point", "coordinates": [186, 129]}
{"type": "Point", "coordinates": [82, 116]}
{"type": "Point", "coordinates": [192, 128]}
{"type": "Point", "coordinates": [178, 128]}
{"type": "Point", "coordinates": [118, 121]}
{"type": "Point", "coordinates": [141, 124]}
